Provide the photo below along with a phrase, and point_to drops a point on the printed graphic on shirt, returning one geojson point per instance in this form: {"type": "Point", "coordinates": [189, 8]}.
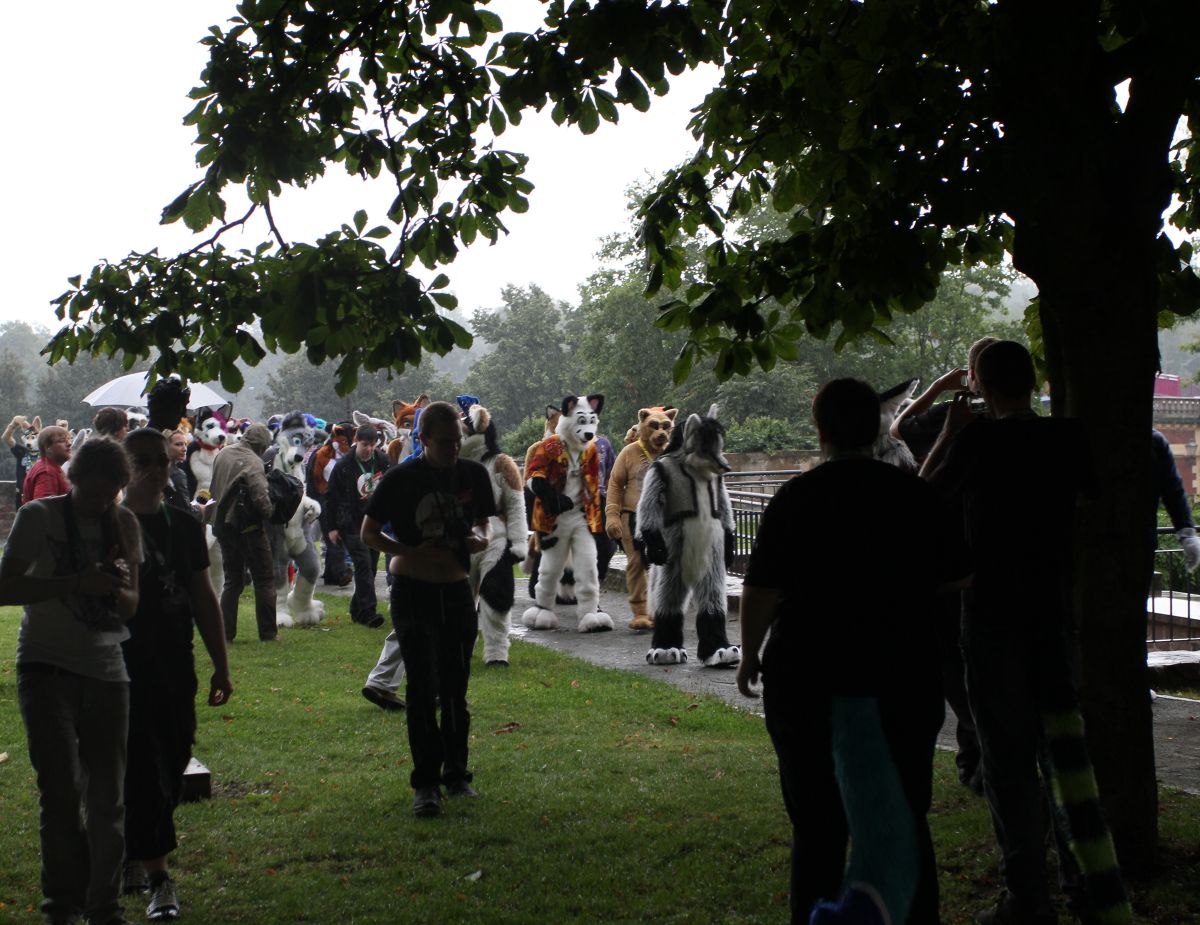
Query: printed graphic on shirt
{"type": "Point", "coordinates": [439, 516]}
{"type": "Point", "coordinates": [367, 483]}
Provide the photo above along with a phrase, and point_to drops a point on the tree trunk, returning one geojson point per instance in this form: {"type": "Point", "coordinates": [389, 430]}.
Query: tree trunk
{"type": "Point", "coordinates": [1107, 382]}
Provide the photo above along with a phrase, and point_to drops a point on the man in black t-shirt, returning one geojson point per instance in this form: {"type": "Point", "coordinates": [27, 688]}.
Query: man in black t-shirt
{"type": "Point", "coordinates": [841, 627]}
{"type": "Point", "coordinates": [437, 506]}
{"type": "Point", "coordinates": [175, 596]}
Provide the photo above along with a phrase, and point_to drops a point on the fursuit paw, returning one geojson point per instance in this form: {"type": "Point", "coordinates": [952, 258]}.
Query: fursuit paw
{"type": "Point", "coordinates": [670, 656]}
{"type": "Point", "coordinates": [727, 657]}
{"type": "Point", "coordinates": [284, 619]}
{"type": "Point", "coordinates": [305, 613]}
{"type": "Point", "coordinates": [539, 618]}
{"type": "Point", "coordinates": [641, 622]}
{"type": "Point", "coordinates": [597, 622]}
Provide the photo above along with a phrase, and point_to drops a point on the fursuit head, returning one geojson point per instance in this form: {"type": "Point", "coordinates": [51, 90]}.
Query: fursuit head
{"type": "Point", "coordinates": [563, 474]}
{"type": "Point", "coordinates": [293, 542]}
{"type": "Point", "coordinates": [685, 523]}
{"type": "Point", "coordinates": [404, 416]}
{"type": "Point", "coordinates": [889, 449]}
{"type": "Point", "coordinates": [29, 436]}
{"type": "Point", "coordinates": [166, 404]}
{"type": "Point", "coordinates": [491, 571]}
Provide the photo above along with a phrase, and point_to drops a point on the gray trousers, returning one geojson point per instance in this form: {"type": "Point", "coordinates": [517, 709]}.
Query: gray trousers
{"type": "Point", "coordinates": [76, 728]}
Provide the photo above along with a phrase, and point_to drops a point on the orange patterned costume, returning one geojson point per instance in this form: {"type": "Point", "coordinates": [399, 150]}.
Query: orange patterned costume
{"type": "Point", "coordinates": [550, 461]}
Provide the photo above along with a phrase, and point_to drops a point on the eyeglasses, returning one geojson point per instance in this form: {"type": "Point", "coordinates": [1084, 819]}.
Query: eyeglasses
{"type": "Point", "coordinates": [145, 462]}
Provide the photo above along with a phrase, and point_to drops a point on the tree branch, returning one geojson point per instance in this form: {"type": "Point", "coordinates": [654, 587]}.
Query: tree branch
{"type": "Point", "coordinates": [283, 245]}
{"type": "Point", "coordinates": [220, 231]}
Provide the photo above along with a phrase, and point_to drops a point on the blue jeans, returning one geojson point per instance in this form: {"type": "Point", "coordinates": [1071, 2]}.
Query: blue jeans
{"type": "Point", "coordinates": [76, 728]}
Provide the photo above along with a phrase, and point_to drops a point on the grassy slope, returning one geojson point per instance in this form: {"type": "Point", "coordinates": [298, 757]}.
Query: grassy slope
{"type": "Point", "coordinates": [606, 798]}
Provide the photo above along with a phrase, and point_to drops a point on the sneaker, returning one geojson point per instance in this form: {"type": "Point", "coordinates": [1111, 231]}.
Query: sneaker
{"type": "Point", "coordinates": [1009, 910]}
{"type": "Point", "coordinates": [461, 788]}
{"type": "Point", "coordinates": [427, 801]}
{"type": "Point", "coordinates": [133, 879]}
{"type": "Point", "coordinates": [385, 700]}
{"type": "Point", "coordinates": [164, 904]}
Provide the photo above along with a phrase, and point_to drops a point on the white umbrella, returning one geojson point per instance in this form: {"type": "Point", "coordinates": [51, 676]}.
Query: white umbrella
{"type": "Point", "coordinates": [125, 391]}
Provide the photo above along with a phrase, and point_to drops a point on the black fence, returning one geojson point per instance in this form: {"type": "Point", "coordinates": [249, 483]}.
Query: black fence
{"type": "Point", "coordinates": [749, 495]}
{"type": "Point", "coordinates": [1173, 605]}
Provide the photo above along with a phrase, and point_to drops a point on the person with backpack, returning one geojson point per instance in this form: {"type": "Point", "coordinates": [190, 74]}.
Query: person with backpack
{"type": "Point", "coordinates": [239, 511]}
{"type": "Point", "coordinates": [351, 485]}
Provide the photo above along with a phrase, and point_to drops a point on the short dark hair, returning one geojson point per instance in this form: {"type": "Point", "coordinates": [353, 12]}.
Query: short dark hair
{"type": "Point", "coordinates": [109, 420]}
{"type": "Point", "coordinates": [145, 433]}
{"type": "Point", "coordinates": [100, 457]}
{"type": "Point", "coordinates": [847, 414]}
{"type": "Point", "coordinates": [438, 413]}
{"type": "Point", "coordinates": [48, 435]}
{"type": "Point", "coordinates": [366, 432]}
{"type": "Point", "coordinates": [1006, 368]}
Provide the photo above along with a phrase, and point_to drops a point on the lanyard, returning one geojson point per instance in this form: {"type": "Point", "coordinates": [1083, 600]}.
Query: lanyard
{"type": "Point", "coordinates": [75, 544]}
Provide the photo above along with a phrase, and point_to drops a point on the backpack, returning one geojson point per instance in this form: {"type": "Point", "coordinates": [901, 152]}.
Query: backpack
{"type": "Point", "coordinates": [286, 492]}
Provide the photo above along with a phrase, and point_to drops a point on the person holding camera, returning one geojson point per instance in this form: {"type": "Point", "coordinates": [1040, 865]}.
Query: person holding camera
{"type": "Point", "coordinates": [71, 561]}
{"type": "Point", "coordinates": [351, 485]}
{"type": "Point", "coordinates": [438, 507]}
{"type": "Point", "coordinates": [238, 513]}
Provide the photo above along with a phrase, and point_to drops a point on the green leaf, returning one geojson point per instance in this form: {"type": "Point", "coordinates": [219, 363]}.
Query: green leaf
{"type": "Point", "coordinates": [378, 232]}
{"type": "Point", "coordinates": [496, 120]}
{"type": "Point", "coordinates": [589, 119]}
{"type": "Point", "coordinates": [231, 378]}
{"type": "Point", "coordinates": [360, 220]}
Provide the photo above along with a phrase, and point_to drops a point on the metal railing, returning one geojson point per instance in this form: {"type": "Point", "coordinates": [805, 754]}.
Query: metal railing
{"type": "Point", "coordinates": [1173, 605]}
{"type": "Point", "coordinates": [749, 495]}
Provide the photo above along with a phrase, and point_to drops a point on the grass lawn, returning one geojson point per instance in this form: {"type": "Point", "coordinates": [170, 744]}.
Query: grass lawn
{"type": "Point", "coordinates": [606, 798]}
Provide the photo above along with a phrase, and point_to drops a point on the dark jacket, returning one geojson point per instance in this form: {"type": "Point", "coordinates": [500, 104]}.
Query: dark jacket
{"type": "Point", "coordinates": [342, 507]}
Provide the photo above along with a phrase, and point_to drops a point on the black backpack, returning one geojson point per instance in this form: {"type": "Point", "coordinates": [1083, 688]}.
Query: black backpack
{"type": "Point", "coordinates": [286, 492]}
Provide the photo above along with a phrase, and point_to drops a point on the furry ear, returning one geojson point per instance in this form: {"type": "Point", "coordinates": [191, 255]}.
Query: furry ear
{"type": "Point", "coordinates": [643, 413]}
{"type": "Point", "coordinates": [597, 403]}
{"type": "Point", "coordinates": [359, 418]}
{"type": "Point", "coordinates": [712, 411]}
{"type": "Point", "coordinates": [37, 422]}
{"type": "Point", "coordinates": [671, 412]}
{"type": "Point", "coordinates": [551, 411]}
{"type": "Point", "coordinates": [397, 407]}
{"type": "Point", "coordinates": [891, 399]}
{"type": "Point", "coordinates": [693, 422]}
{"type": "Point", "coordinates": [423, 401]}
{"type": "Point", "coordinates": [569, 403]}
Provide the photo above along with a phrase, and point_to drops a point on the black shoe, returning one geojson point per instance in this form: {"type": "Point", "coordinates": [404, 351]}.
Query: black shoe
{"type": "Point", "coordinates": [385, 700]}
{"type": "Point", "coordinates": [164, 904]}
{"type": "Point", "coordinates": [427, 802]}
{"type": "Point", "coordinates": [461, 788]}
{"type": "Point", "coordinates": [496, 663]}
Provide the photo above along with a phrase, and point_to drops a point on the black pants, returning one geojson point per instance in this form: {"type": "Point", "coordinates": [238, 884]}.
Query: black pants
{"type": "Point", "coordinates": [162, 726]}
{"type": "Point", "coordinates": [251, 551]}
{"type": "Point", "coordinates": [954, 681]}
{"type": "Point", "coordinates": [800, 729]}
{"type": "Point", "coordinates": [436, 625]}
{"type": "Point", "coordinates": [366, 563]}
{"type": "Point", "coordinates": [335, 561]}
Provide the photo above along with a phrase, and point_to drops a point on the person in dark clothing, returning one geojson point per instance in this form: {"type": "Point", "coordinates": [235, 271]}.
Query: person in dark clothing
{"type": "Point", "coordinates": [1169, 491]}
{"type": "Point", "coordinates": [796, 587]}
{"type": "Point", "coordinates": [178, 492]}
{"type": "Point", "coordinates": [437, 506]}
{"type": "Point", "coordinates": [1018, 478]}
{"type": "Point", "coordinates": [351, 484]}
{"type": "Point", "coordinates": [175, 596]}
{"type": "Point", "coordinates": [919, 425]}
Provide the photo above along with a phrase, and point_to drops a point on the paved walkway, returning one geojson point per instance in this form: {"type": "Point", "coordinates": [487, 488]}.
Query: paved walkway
{"type": "Point", "coordinates": [1176, 721]}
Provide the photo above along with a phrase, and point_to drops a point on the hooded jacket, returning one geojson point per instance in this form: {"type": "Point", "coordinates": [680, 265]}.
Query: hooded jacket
{"type": "Point", "coordinates": [239, 464]}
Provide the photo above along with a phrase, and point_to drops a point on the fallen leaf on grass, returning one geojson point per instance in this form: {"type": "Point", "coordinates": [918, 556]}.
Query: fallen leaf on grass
{"type": "Point", "coordinates": [673, 720]}
{"type": "Point", "coordinates": [693, 706]}
{"type": "Point", "coordinates": [507, 727]}
{"type": "Point", "coordinates": [3, 757]}
{"type": "Point", "coordinates": [547, 684]}
{"type": "Point", "coordinates": [575, 684]}
{"type": "Point", "coordinates": [227, 718]}
{"type": "Point", "coordinates": [271, 871]}
{"type": "Point", "coordinates": [474, 876]}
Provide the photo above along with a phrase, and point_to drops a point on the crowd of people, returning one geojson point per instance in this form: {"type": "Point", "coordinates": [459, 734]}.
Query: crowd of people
{"type": "Point", "coordinates": [108, 555]}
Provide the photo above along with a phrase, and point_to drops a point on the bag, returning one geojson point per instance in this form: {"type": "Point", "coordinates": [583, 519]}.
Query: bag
{"type": "Point", "coordinates": [286, 493]}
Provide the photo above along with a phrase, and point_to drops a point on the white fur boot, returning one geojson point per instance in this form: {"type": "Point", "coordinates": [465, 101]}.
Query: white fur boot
{"type": "Point", "coordinates": [304, 608]}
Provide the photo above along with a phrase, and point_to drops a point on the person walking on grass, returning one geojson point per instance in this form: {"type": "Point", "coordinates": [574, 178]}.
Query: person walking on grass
{"type": "Point", "coordinates": [71, 561]}
{"type": "Point", "coordinates": [175, 596]}
{"type": "Point", "coordinates": [437, 506]}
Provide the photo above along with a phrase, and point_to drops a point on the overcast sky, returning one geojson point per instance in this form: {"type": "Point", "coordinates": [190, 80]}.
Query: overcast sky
{"type": "Point", "coordinates": [94, 149]}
